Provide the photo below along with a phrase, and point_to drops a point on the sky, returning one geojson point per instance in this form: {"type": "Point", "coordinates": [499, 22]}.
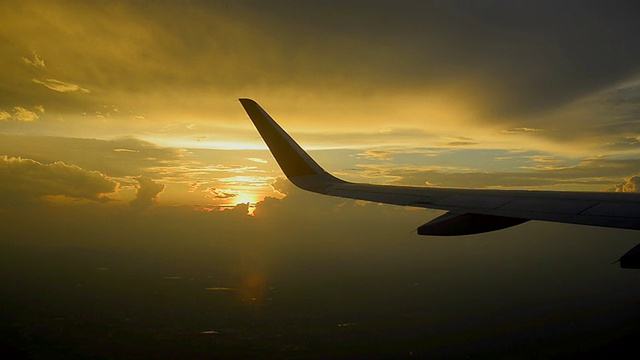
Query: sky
{"type": "Point", "coordinates": [120, 130]}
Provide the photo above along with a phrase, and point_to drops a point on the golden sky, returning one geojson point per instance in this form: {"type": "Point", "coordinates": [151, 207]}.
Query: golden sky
{"type": "Point", "coordinates": [484, 95]}
{"type": "Point", "coordinates": [128, 169]}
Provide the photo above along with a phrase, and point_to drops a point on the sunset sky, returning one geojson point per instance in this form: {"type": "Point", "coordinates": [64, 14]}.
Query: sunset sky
{"type": "Point", "coordinates": [484, 95]}
{"type": "Point", "coordinates": [120, 125]}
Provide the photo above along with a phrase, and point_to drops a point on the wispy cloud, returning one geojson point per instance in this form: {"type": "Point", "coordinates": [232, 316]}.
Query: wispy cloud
{"type": "Point", "coordinates": [22, 114]}
{"type": "Point", "coordinates": [35, 61]}
{"type": "Point", "coordinates": [220, 193]}
{"type": "Point", "coordinates": [457, 141]}
{"type": "Point", "coordinates": [593, 174]}
{"type": "Point", "coordinates": [381, 155]}
{"type": "Point", "coordinates": [460, 143]}
{"type": "Point", "coordinates": [522, 130]}
{"type": "Point", "coordinates": [60, 86]}
{"type": "Point", "coordinates": [247, 180]}
{"type": "Point", "coordinates": [544, 159]}
{"type": "Point", "coordinates": [390, 154]}
{"type": "Point", "coordinates": [258, 160]}
{"type": "Point", "coordinates": [126, 150]}
{"type": "Point", "coordinates": [4, 116]}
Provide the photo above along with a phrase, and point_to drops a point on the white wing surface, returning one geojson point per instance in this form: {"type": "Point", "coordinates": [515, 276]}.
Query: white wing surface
{"type": "Point", "coordinates": [470, 211]}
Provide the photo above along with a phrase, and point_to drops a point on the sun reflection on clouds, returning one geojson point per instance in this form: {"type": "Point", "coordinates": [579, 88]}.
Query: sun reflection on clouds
{"type": "Point", "coordinates": [258, 160]}
{"type": "Point", "coordinates": [250, 200]}
{"type": "Point", "coordinates": [247, 180]}
{"type": "Point", "coordinates": [214, 179]}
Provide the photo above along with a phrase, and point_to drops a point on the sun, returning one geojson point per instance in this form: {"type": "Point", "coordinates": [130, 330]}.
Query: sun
{"type": "Point", "coordinates": [246, 197]}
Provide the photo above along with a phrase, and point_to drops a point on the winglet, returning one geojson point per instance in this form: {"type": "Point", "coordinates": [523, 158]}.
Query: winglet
{"type": "Point", "coordinates": [297, 165]}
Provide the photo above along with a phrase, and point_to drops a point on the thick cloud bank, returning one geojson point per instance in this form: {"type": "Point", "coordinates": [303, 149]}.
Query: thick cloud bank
{"type": "Point", "coordinates": [147, 194]}
{"type": "Point", "coordinates": [26, 179]}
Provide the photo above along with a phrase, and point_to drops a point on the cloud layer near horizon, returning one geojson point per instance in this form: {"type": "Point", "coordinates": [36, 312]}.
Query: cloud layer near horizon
{"type": "Point", "coordinates": [23, 180]}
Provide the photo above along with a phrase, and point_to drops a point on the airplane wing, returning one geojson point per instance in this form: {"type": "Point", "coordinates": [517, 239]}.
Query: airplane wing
{"type": "Point", "coordinates": [470, 211]}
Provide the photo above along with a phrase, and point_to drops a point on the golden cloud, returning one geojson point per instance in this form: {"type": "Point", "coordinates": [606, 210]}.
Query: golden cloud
{"type": "Point", "coordinates": [22, 114]}
{"type": "Point", "coordinates": [35, 61]}
{"type": "Point", "coordinates": [147, 195]}
{"type": "Point", "coordinates": [27, 179]}
{"type": "Point", "coordinates": [60, 86]}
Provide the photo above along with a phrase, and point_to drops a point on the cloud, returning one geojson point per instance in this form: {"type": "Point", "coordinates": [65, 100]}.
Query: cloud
{"type": "Point", "coordinates": [147, 193]}
{"type": "Point", "coordinates": [123, 157]}
{"type": "Point", "coordinates": [379, 155]}
{"type": "Point", "coordinates": [258, 160]}
{"type": "Point", "coordinates": [460, 143]}
{"type": "Point", "coordinates": [406, 70]}
{"type": "Point", "coordinates": [26, 179]}
{"type": "Point", "coordinates": [457, 141]}
{"type": "Point", "coordinates": [126, 150]}
{"type": "Point", "coordinates": [220, 193]}
{"type": "Point", "coordinates": [594, 174]}
{"type": "Point", "coordinates": [63, 87]}
{"type": "Point", "coordinates": [522, 130]}
{"type": "Point", "coordinates": [22, 114]}
{"type": "Point", "coordinates": [544, 159]}
{"type": "Point", "coordinates": [631, 185]}
{"type": "Point", "coordinates": [35, 61]}
{"type": "Point", "coordinates": [391, 154]}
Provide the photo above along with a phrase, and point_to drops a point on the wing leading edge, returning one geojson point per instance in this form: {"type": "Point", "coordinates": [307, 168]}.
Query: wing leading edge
{"type": "Point", "coordinates": [470, 211]}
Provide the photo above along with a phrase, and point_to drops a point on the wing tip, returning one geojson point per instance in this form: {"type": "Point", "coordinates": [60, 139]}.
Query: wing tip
{"type": "Point", "coordinates": [294, 161]}
{"type": "Point", "coordinates": [247, 101]}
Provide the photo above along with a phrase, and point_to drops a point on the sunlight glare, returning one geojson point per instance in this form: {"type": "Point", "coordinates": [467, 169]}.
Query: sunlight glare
{"type": "Point", "coordinates": [246, 197]}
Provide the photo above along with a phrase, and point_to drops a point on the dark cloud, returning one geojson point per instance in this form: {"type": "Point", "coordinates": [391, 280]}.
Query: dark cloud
{"type": "Point", "coordinates": [220, 193]}
{"type": "Point", "coordinates": [528, 56]}
{"type": "Point", "coordinates": [511, 65]}
{"type": "Point", "coordinates": [22, 180]}
{"type": "Point", "coordinates": [517, 57]}
{"type": "Point", "coordinates": [621, 109]}
{"type": "Point", "coordinates": [147, 193]}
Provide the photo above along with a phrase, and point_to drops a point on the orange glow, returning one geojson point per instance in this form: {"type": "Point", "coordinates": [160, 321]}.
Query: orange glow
{"type": "Point", "coordinates": [247, 197]}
